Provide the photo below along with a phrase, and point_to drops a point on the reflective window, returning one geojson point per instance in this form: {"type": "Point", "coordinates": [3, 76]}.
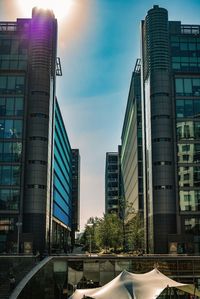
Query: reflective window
{"type": "Point", "coordinates": [187, 86]}
{"type": "Point", "coordinates": [10, 151]}
{"type": "Point", "coordinates": [11, 106]}
{"type": "Point", "coordinates": [9, 199]}
{"type": "Point", "coordinates": [9, 175]}
{"type": "Point", "coordinates": [11, 84]}
{"type": "Point", "coordinates": [6, 223]}
{"type": "Point", "coordinates": [2, 106]}
{"type": "Point", "coordinates": [192, 226]}
{"type": "Point", "coordinates": [10, 128]}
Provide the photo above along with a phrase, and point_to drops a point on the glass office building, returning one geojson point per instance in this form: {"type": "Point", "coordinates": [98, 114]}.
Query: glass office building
{"type": "Point", "coordinates": [112, 183]}
{"type": "Point", "coordinates": [171, 110]}
{"type": "Point", "coordinates": [62, 185]}
{"type": "Point", "coordinates": [131, 153]}
{"type": "Point", "coordinates": [29, 120]}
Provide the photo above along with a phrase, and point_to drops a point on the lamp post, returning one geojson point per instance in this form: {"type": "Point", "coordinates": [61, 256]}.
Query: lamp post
{"type": "Point", "coordinates": [90, 238]}
{"type": "Point", "coordinates": [18, 224]}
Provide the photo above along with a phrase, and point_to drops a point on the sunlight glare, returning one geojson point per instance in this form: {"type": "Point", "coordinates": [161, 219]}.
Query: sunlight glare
{"type": "Point", "coordinates": [61, 8]}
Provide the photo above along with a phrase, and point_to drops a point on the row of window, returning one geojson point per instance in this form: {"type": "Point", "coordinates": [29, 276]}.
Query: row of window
{"type": "Point", "coordinates": [17, 64]}
{"type": "Point", "coordinates": [10, 151]}
{"type": "Point", "coordinates": [185, 48]}
{"type": "Point", "coordinates": [40, 138]}
{"type": "Point", "coordinates": [162, 139]}
{"type": "Point", "coordinates": [10, 128]}
{"type": "Point", "coordinates": [36, 186]}
{"type": "Point", "coordinates": [11, 84]}
{"type": "Point", "coordinates": [161, 116]}
{"type": "Point", "coordinates": [186, 66]}
{"type": "Point", "coordinates": [163, 187]}
{"type": "Point", "coordinates": [13, 46]}
{"type": "Point", "coordinates": [61, 132]}
{"type": "Point", "coordinates": [185, 59]}
{"type": "Point", "coordinates": [37, 162]}
{"type": "Point", "coordinates": [186, 62]}
{"type": "Point", "coordinates": [162, 163]}
{"type": "Point", "coordinates": [9, 199]}
{"type": "Point", "coordinates": [11, 106]}
{"type": "Point", "coordinates": [41, 115]}
{"type": "Point", "coordinates": [9, 175]}
{"type": "Point", "coordinates": [188, 108]}
{"type": "Point", "coordinates": [185, 39]}
{"type": "Point", "coordinates": [7, 223]}
{"type": "Point", "coordinates": [187, 86]}
{"type": "Point", "coordinates": [188, 130]}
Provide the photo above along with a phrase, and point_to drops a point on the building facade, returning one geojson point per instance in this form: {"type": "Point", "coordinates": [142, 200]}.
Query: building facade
{"type": "Point", "coordinates": [112, 183]}
{"type": "Point", "coordinates": [75, 193]}
{"type": "Point", "coordinates": [62, 186]}
{"type": "Point", "coordinates": [29, 120]}
{"type": "Point", "coordinates": [131, 153]}
{"type": "Point", "coordinates": [170, 75]}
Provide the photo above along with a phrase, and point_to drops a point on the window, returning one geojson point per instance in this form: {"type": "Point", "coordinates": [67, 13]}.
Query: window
{"type": "Point", "coordinates": [10, 128]}
{"type": "Point", "coordinates": [19, 106]}
{"type": "Point", "coordinates": [2, 106]}
{"type": "Point", "coordinates": [36, 186]}
{"type": "Point", "coordinates": [187, 86]}
{"type": "Point", "coordinates": [41, 115]}
{"type": "Point", "coordinates": [9, 175]}
{"type": "Point", "coordinates": [38, 162]}
{"type": "Point", "coordinates": [9, 199]}
{"type": "Point", "coordinates": [11, 106]}
{"type": "Point", "coordinates": [163, 163]}
{"type": "Point", "coordinates": [10, 151]}
{"type": "Point", "coordinates": [197, 130]}
{"type": "Point", "coordinates": [11, 84]}
{"type": "Point", "coordinates": [179, 86]}
{"type": "Point", "coordinates": [161, 139]}
{"type": "Point", "coordinates": [163, 187]}
{"type": "Point", "coordinates": [196, 108]}
{"type": "Point", "coordinates": [38, 138]}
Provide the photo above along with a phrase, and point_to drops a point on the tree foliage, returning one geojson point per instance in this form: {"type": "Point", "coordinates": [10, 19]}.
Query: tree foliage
{"type": "Point", "coordinates": [110, 232]}
{"type": "Point", "coordinates": [135, 233]}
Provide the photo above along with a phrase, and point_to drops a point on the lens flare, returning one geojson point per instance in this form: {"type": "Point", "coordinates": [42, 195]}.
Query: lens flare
{"type": "Point", "coordinates": [61, 8]}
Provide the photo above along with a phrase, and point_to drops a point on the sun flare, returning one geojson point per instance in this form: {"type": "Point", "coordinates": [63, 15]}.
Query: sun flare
{"type": "Point", "coordinates": [61, 8]}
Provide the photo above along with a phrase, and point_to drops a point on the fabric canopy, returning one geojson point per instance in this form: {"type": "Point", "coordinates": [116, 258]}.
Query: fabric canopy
{"type": "Point", "coordinates": [135, 286]}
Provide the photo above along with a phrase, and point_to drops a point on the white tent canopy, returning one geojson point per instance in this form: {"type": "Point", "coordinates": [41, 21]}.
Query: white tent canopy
{"type": "Point", "coordinates": [137, 286]}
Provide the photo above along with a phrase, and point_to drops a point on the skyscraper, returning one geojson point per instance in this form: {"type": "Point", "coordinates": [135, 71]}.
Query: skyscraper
{"type": "Point", "coordinates": [112, 183]}
{"type": "Point", "coordinates": [131, 153]}
{"type": "Point", "coordinates": [35, 154]}
{"type": "Point", "coordinates": [171, 108]}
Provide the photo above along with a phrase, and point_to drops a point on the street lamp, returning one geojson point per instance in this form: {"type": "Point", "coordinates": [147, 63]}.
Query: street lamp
{"type": "Point", "coordinates": [90, 238]}
{"type": "Point", "coordinates": [18, 224]}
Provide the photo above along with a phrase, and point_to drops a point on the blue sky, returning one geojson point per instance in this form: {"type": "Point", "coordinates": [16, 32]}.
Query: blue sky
{"type": "Point", "coordinates": [99, 43]}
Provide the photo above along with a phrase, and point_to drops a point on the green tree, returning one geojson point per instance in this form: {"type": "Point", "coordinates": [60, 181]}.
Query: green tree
{"type": "Point", "coordinates": [135, 233]}
{"type": "Point", "coordinates": [109, 232]}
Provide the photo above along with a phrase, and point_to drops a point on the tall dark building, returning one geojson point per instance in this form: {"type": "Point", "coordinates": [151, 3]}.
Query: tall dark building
{"type": "Point", "coordinates": [131, 153]}
{"type": "Point", "coordinates": [112, 183]}
{"type": "Point", "coordinates": [35, 154]}
{"type": "Point", "coordinates": [171, 118]}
